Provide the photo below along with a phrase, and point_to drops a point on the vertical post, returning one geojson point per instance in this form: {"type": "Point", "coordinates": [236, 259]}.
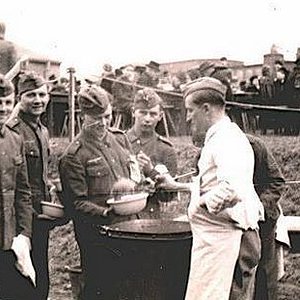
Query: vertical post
{"type": "Point", "coordinates": [71, 125]}
{"type": "Point", "coordinates": [47, 69]}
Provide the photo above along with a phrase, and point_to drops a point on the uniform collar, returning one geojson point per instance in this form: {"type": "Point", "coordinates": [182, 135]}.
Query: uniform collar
{"type": "Point", "coordinates": [132, 135]}
{"type": "Point", "coordinates": [33, 122]}
{"type": "Point", "coordinates": [91, 134]}
{"type": "Point", "coordinates": [224, 121]}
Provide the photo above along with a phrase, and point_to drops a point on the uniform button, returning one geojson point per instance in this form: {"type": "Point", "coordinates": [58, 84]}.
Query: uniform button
{"type": "Point", "coordinates": [31, 152]}
{"type": "Point", "coordinates": [98, 173]}
{"type": "Point", "coordinates": [138, 142]}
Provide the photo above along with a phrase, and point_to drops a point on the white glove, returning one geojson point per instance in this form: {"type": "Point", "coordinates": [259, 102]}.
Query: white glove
{"type": "Point", "coordinates": [21, 247]}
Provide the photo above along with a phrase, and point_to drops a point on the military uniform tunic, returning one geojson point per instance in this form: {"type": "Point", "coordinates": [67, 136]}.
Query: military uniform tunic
{"type": "Point", "coordinates": [161, 151]}
{"type": "Point", "coordinates": [15, 213]}
{"type": "Point", "coordinates": [15, 200]}
{"type": "Point", "coordinates": [158, 148]}
{"type": "Point", "coordinates": [36, 144]}
{"type": "Point", "coordinates": [88, 169]}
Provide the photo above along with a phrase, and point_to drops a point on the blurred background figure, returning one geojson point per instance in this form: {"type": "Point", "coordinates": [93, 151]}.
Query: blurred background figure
{"type": "Point", "coordinates": [108, 71]}
{"type": "Point", "coordinates": [266, 86]}
{"type": "Point", "coordinates": [165, 82]}
{"type": "Point", "coordinates": [8, 52]}
{"type": "Point", "coordinates": [148, 75]}
{"type": "Point", "coordinates": [253, 86]}
{"type": "Point", "coordinates": [123, 94]}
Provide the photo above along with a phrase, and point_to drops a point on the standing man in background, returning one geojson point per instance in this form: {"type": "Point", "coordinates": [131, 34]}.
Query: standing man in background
{"type": "Point", "coordinates": [33, 98]}
{"type": "Point", "coordinates": [8, 52]}
{"type": "Point", "coordinates": [270, 186]}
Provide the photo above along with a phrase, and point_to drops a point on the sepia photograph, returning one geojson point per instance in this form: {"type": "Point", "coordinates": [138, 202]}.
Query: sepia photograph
{"type": "Point", "coordinates": [149, 150]}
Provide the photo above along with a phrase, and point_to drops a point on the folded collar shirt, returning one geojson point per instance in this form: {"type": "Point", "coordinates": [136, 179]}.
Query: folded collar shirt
{"type": "Point", "coordinates": [227, 158]}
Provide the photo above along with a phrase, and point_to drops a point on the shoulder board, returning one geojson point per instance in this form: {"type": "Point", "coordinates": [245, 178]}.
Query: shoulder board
{"type": "Point", "coordinates": [13, 124]}
{"type": "Point", "coordinates": [165, 140]}
{"type": "Point", "coordinates": [116, 130]}
{"type": "Point", "coordinates": [73, 147]}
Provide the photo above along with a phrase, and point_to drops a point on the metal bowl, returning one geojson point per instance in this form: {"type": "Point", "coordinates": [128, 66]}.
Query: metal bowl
{"type": "Point", "coordinates": [129, 204]}
{"type": "Point", "coordinates": [53, 210]}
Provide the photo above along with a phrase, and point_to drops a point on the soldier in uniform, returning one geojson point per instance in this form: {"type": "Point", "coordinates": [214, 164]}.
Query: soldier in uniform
{"type": "Point", "coordinates": [89, 168]}
{"type": "Point", "coordinates": [152, 150]}
{"type": "Point", "coordinates": [33, 98]}
{"type": "Point", "coordinates": [15, 203]}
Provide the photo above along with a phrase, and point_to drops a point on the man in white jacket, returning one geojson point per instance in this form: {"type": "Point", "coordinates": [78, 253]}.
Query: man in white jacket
{"type": "Point", "coordinates": [223, 199]}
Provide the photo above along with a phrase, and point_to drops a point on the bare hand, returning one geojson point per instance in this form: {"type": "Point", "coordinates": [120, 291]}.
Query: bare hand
{"type": "Point", "coordinates": [166, 182]}
{"type": "Point", "coordinates": [144, 162]}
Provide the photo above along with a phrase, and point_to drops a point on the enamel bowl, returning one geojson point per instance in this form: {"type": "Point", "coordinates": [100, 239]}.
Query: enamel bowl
{"type": "Point", "coordinates": [129, 204]}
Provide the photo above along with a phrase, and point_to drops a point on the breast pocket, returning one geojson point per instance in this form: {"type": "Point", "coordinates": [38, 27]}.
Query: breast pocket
{"type": "Point", "coordinates": [31, 149]}
{"type": "Point", "coordinates": [9, 171]}
{"type": "Point", "coordinates": [99, 179]}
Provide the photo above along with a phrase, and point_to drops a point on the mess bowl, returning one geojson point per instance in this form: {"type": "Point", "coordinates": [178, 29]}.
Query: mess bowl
{"type": "Point", "coordinates": [128, 204]}
{"type": "Point", "coordinates": [53, 210]}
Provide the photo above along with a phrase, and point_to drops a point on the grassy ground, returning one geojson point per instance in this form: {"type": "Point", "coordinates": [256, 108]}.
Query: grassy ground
{"type": "Point", "coordinates": [63, 250]}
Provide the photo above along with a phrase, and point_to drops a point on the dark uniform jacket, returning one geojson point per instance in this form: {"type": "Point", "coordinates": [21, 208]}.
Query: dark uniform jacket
{"type": "Point", "coordinates": [161, 151]}
{"type": "Point", "coordinates": [89, 168]}
{"type": "Point", "coordinates": [268, 180]}
{"type": "Point", "coordinates": [158, 148]}
{"type": "Point", "coordinates": [15, 201]}
{"type": "Point", "coordinates": [36, 144]}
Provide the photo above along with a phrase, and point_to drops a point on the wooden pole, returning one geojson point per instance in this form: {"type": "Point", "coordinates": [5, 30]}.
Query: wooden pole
{"type": "Point", "coordinates": [71, 125]}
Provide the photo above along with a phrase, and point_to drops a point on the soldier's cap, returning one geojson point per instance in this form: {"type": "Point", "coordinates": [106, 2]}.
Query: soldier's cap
{"type": "Point", "coordinates": [93, 100]}
{"type": "Point", "coordinates": [146, 98]}
{"type": "Point", "coordinates": [6, 87]}
{"type": "Point", "coordinates": [29, 81]}
{"type": "Point", "coordinates": [202, 84]}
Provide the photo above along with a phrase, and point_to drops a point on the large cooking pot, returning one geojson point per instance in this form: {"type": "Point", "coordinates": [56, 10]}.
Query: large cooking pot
{"type": "Point", "coordinates": [153, 257]}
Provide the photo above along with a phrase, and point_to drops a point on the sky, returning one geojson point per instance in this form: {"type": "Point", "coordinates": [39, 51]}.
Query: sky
{"type": "Point", "coordinates": [85, 34]}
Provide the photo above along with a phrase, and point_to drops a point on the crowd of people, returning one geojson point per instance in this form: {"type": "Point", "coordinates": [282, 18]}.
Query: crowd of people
{"type": "Point", "coordinates": [277, 88]}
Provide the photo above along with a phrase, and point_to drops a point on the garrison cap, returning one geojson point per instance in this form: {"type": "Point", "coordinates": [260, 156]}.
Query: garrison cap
{"type": "Point", "coordinates": [6, 87]}
{"type": "Point", "coordinates": [93, 100]}
{"type": "Point", "coordinates": [146, 98]}
{"type": "Point", "coordinates": [204, 83]}
{"type": "Point", "coordinates": [29, 81]}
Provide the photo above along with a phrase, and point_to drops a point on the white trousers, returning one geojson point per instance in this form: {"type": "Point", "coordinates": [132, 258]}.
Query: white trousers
{"type": "Point", "coordinates": [215, 250]}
